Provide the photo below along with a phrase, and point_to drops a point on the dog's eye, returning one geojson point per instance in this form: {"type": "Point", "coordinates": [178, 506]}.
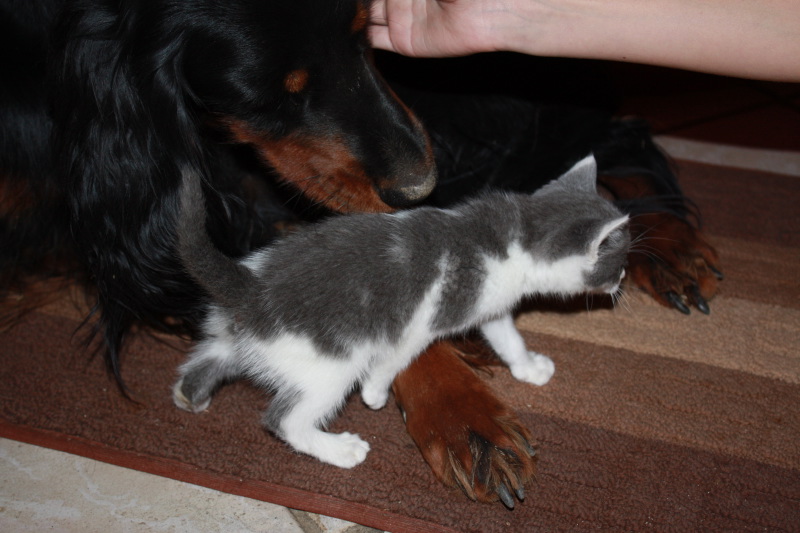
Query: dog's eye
{"type": "Point", "coordinates": [296, 80]}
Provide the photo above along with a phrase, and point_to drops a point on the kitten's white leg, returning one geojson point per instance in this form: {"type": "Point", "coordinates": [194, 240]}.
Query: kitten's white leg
{"type": "Point", "coordinates": [375, 387]}
{"type": "Point", "coordinates": [527, 366]}
{"type": "Point", "coordinates": [345, 450]}
{"type": "Point", "coordinates": [416, 336]}
{"type": "Point", "coordinates": [310, 387]}
{"type": "Point", "coordinates": [307, 396]}
{"type": "Point", "coordinates": [375, 391]}
{"type": "Point", "coordinates": [299, 428]}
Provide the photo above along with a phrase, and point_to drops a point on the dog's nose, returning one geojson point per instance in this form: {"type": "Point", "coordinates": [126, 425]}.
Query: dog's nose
{"type": "Point", "coordinates": [409, 189]}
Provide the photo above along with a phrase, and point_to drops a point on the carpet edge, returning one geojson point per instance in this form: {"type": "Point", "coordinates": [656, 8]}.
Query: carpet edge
{"type": "Point", "coordinates": [262, 491]}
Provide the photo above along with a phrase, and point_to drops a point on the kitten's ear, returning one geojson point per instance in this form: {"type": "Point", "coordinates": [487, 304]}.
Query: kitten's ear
{"type": "Point", "coordinates": [605, 232]}
{"type": "Point", "coordinates": [582, 175]}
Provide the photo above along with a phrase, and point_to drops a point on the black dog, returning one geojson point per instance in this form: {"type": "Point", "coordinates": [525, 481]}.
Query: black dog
{"type": "Point", "coordinates": [137, 88]}
{"type": "Point", "coordinates": [279, 107]}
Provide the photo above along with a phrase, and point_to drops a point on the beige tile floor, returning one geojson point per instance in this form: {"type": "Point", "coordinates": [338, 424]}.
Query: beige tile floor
{"type": "Point", "coordinates": [45, 490]}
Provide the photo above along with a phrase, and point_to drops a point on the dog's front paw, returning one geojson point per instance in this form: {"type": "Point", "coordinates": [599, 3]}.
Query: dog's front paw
{"type": "Point", "coordinates": [672, 261]}
{"type": "Point", "coordinates": [537, 369]}
{"type": "Point", "coordinates": [470, 439]}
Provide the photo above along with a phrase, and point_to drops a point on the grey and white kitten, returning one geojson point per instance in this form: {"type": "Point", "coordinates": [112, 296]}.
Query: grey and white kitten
{"type": "Point", "coordinates": [355, 299]}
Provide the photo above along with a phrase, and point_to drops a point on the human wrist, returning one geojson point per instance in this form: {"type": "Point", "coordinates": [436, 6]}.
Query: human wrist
{"type": "Point", "coordinates": [536, 27]}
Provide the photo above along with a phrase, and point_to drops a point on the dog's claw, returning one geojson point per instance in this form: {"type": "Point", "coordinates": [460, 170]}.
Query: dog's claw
{"type": "Point", "coordinates": [520, 492]}
{"type": "Point", "coordinates": [717, 273]}
{"type": "Point", "coordinates": [505, 496]}
{"type": "Point", "coordinates": [699, 301]}
{"type": "Point", "coordinates": [530, 449]}
{"type": "Point", "coordinates": [677, 303]}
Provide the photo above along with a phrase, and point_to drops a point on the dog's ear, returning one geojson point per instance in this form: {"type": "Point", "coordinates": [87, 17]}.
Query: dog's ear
{"type": "Point", "coordinates": [121, 129]}
{"type": "Point", "coordinates": [118, 104]}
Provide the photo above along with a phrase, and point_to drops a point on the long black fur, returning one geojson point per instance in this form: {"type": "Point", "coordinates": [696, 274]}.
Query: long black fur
{"type": "Point", "coordinates": [103, 101]}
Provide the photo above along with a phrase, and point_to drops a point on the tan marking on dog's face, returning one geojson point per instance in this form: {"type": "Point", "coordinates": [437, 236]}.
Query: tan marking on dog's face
{"type": "Point", "coordinates": [296, 80]}
{"type": "Point", "coordinates": [361, 18]}
{"type": "Point", "coordinates": [322, 168]}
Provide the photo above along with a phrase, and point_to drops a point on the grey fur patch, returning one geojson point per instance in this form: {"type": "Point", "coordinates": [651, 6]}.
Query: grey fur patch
{"type": "Point", "coordinates": [203, 379]}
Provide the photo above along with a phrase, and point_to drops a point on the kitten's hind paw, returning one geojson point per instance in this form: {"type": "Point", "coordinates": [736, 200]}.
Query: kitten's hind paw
{"type": "Point", "coordinates": [538, 369]}
{"type": "Point", "coordinates": [349, 451]}
{"type": "Point", "coordinates": [183, 402]}
{"type": "Point", "coordinates": [344, 450]}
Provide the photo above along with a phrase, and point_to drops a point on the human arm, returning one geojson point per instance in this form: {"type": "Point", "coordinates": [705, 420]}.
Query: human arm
{"type": "Point", "coordinates": [746, 38]}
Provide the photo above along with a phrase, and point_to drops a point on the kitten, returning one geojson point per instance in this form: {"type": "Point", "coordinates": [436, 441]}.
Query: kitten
{"type": "Point", "coordinates": [353, 300]}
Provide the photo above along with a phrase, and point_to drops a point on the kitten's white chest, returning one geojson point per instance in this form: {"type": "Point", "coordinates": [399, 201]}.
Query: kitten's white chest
{"type": "Point", "coordinates": [519, 274]}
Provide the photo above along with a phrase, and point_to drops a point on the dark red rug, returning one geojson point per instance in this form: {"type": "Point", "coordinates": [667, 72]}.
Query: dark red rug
{"type": "Point", "coordinates": [653, 420]}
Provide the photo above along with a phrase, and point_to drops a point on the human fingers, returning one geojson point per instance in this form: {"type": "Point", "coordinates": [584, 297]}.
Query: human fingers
{"type": "Point", "coordinates": [379, 38]}
{"type": "Point", "coordinates": [377, 15]}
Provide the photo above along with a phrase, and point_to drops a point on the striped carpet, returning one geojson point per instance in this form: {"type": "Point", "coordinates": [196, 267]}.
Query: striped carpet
{"type": "Point", "coordinates": [653, 420]}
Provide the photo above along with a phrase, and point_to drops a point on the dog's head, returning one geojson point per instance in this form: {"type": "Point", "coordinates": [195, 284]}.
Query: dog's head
{"type": "Point", "coordinates": [294, 79]}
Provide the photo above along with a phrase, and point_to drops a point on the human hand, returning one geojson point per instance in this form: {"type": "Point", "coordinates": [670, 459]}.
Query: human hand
{"type": "Point", "coordinates": [433, 28]}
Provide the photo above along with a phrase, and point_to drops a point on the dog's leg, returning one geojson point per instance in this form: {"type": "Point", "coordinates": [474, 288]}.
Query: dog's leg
{"type": "Point", "coordinates": [466, 434]}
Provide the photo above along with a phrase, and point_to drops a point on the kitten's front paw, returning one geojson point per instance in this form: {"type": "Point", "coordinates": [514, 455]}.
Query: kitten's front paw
{"type": "Point", "coordinates": [538, 369]}
{"type": "Point", "coordinates": [374, 397]}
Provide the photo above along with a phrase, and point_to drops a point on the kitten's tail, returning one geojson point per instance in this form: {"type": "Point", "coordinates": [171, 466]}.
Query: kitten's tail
{"type": "Point", "coordinates": [227, 281]}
